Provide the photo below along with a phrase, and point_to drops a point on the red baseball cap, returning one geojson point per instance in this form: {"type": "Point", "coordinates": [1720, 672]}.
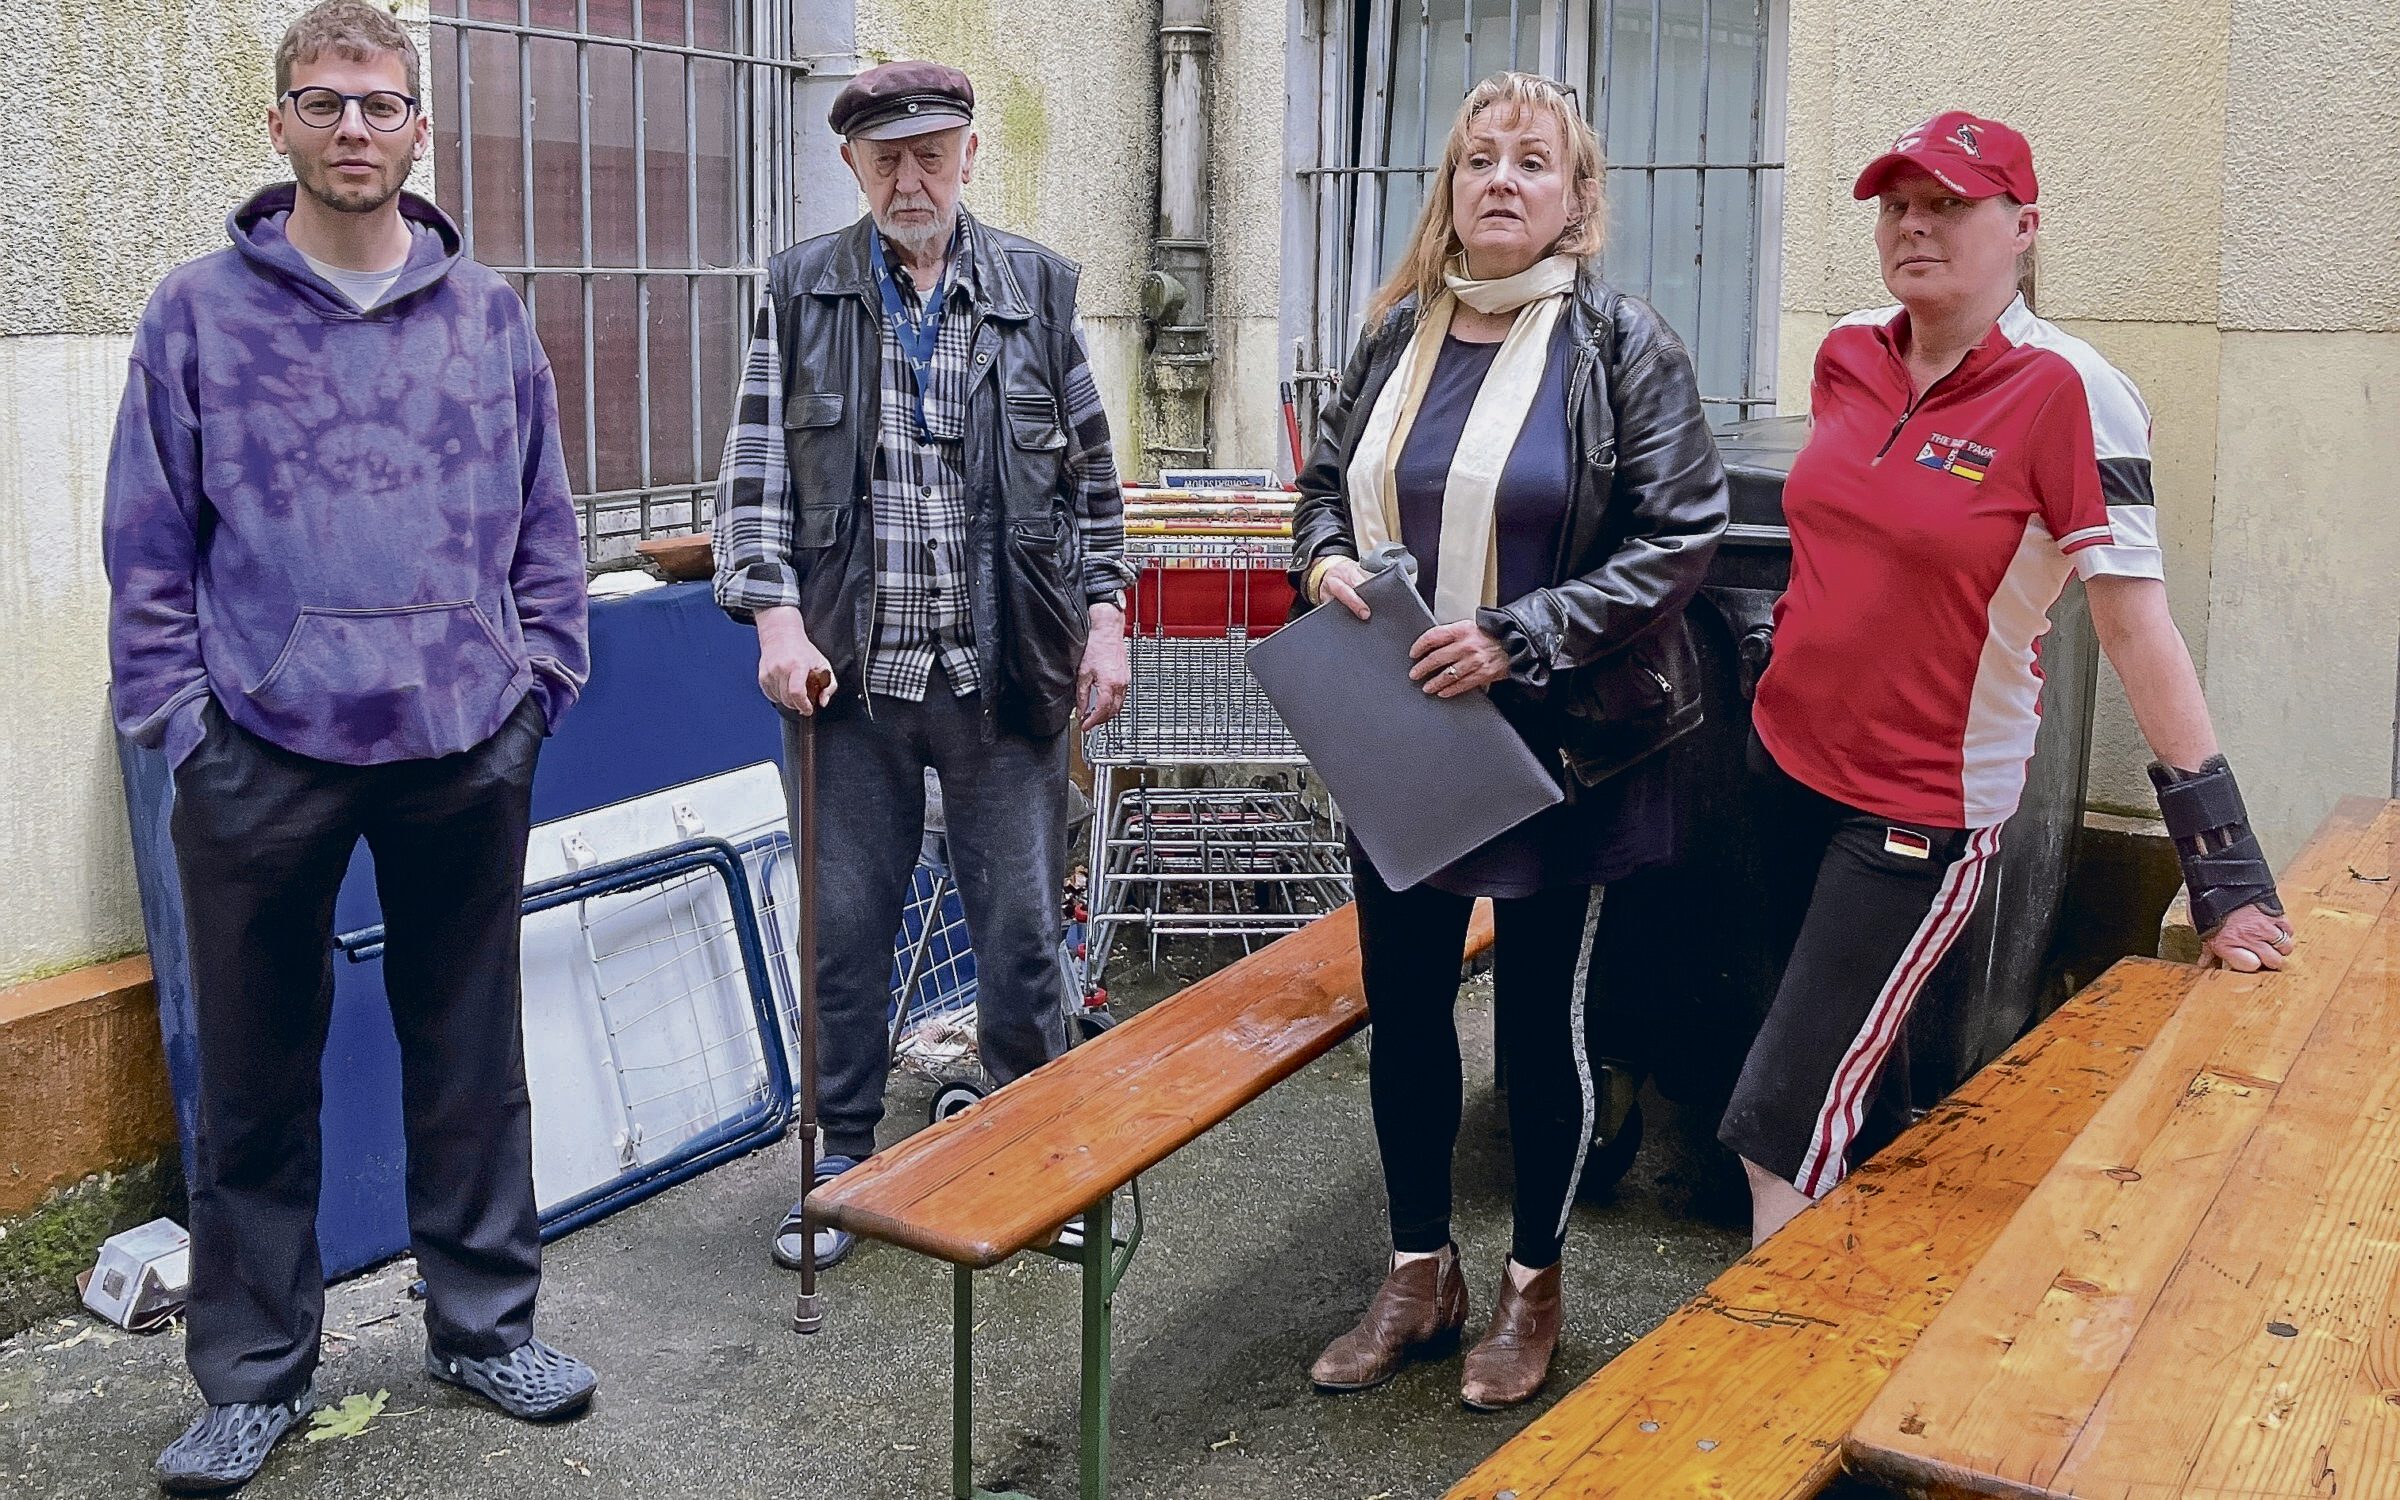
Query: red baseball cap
{"type": "Point", "coordinates": [1972, 157]}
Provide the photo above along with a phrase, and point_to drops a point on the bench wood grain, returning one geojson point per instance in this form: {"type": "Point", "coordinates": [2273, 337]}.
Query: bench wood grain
{"type": "Point", "coordinates": [2203, 1297]}
{"type": "Point", "coordinates": [1746, 1391]}
{"type": "Point", "coordinates": [1004, 1174]}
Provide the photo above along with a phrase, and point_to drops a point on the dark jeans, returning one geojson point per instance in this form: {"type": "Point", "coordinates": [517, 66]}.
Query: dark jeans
{"type": "Point", "coordinates": [262, 838]}
{"type": "Point", "coordinates": [1005, 801]}
{"type": "Point", "coordinates": [1409, 947]}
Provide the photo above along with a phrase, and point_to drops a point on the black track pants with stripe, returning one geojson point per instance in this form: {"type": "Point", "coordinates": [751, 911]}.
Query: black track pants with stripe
{"type": "Point", "coordinates": [1869, 909]}
{"type": "Point", "coordinates": [1409, 946]}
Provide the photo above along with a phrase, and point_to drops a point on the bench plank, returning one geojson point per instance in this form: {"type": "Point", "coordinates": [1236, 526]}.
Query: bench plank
{"type": "Point", "coordinates": [1744, 1392]}
{"type": "Point", "coordinates": [2188, 1302]}
{"type": "Point", "coordinates": [1004, 1174]}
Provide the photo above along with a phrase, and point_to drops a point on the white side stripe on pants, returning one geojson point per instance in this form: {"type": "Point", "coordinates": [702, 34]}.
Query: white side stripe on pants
{"type": "Point", "coordinates": [1583, 1061]}
{"type": "Point", "coordinates": [1862, 1064]}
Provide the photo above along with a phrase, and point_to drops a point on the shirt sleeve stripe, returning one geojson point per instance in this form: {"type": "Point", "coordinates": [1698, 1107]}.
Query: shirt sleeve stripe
{"type": "Point", "coordinates": [2126, 481]}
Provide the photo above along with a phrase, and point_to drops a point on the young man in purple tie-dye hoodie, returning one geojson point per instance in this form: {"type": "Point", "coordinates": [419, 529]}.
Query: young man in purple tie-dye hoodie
{"type": "Point", "coordinates": [348, 603]}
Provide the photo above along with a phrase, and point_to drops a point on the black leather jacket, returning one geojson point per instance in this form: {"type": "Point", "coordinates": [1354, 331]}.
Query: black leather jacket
{"type": "Point", "coordinates": [1604, 645]}
{"type": "Point", "coordinates": [1025, 584]}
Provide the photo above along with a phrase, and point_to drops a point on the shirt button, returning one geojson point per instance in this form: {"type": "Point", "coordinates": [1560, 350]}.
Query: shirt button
{"type": "Point", "coordinates": [933, 544]}
{"type": "Point", "coordinates": [926, 492]}
{"type": "Point", "coordinates": [983, 359]}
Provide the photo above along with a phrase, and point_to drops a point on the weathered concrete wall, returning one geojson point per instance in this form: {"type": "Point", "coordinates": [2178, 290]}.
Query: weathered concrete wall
{"type": "Point", "coordinates": [2307, 621]}
{"type": "Point", "coordinates": [66, 866]}
{"type": "Point", "coordinates": [174, 94]}
{"type": "Point", "coordinates": [2306, 594]}
{"type": "Point", "coordinates": [2198, 230]}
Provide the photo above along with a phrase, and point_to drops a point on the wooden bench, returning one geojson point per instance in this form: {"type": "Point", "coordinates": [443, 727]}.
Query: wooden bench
{"type": "Point", "coordinates": [1748, 1391]}
{"type": "Point", "coordinates": [2202, 1297]}
{"type": "Point", "coordinates": [1006, 1174]}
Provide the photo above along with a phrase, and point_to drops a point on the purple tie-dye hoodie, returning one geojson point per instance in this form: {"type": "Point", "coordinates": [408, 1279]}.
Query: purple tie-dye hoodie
{"type": "Point", "coordinates": [353, 529]}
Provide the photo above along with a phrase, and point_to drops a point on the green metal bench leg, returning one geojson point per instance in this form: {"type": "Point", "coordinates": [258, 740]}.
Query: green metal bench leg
{"type": "Point", "coordinates": [962, 1392]}
{"type": "Point", "coordinates": [1099, 1288]}
{"type": "Point", "coordinates": [962, 1384]}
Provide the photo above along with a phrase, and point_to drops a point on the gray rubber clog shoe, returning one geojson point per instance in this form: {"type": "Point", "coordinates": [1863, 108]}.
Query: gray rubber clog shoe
{"type": "Point", "coordinates": [532, 1382]}
{"type": "Point", "coordinates": [225, 1445]}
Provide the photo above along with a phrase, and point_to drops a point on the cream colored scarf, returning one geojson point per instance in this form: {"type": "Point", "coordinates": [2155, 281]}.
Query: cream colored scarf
{"type": "Point", "coordinates": [1468, 574]}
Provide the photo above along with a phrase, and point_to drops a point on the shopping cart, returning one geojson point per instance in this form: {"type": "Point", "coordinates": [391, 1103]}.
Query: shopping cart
{"type": "Point", "coordinates": [1257, 853]}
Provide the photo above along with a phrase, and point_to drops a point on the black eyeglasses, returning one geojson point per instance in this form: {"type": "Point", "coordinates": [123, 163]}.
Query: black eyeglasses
{"type": "Point", "coordinates": [382, 110]}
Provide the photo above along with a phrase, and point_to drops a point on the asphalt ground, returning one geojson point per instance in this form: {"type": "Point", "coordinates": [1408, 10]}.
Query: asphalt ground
{"type": "Point", "coordinates": [1264, 1240]}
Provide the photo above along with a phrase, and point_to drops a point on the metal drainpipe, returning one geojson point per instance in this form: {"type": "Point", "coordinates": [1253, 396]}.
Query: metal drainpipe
{"type": "Point", "coordinates": [1175, 293]}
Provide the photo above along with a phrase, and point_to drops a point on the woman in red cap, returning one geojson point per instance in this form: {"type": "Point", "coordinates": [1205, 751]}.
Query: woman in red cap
{"type": "Point", "coordinates": [1965, 458]}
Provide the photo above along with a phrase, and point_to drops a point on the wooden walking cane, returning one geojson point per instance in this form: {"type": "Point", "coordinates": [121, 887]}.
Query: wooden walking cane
{"type": "Point", "coordinates": [809, 1315]}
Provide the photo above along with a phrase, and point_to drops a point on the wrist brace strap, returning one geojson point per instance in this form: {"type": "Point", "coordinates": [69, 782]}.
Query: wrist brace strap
{"type": "Point", "coordinates": [2223, 867]}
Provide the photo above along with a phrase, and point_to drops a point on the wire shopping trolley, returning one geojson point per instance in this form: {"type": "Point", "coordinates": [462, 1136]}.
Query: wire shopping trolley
{"type": "Point", "coordinates": [1230, 860]}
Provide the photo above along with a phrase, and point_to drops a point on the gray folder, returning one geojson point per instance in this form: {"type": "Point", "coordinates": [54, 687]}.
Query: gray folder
{"type": "Point", "coordinates": [1421, 780]}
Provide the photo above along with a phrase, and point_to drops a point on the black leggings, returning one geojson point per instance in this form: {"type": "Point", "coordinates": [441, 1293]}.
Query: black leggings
{"type": "Point", "coordinates": [1409, 946]}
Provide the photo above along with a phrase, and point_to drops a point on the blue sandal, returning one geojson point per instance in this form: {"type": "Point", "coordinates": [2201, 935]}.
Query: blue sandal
{"type": "Point", "coordinates": [833, 1245]}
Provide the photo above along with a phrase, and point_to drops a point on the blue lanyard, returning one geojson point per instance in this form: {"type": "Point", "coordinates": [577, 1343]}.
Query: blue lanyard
{"type": "Point", "coordinates": [918, 336]}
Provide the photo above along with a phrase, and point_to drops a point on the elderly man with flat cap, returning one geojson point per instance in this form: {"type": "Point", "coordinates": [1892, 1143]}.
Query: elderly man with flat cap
{"type": "Point", "coordinates": [918, 509]}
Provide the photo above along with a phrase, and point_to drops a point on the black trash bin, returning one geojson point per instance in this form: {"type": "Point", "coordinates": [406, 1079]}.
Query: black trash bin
{"type": "Point", "coordinates": [1686, 1010]}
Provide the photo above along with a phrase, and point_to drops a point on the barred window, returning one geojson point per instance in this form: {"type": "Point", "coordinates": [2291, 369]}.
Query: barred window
{"type": "Point", "coordinates": [624, 164]}
{"type": "Point", "coordinates": [1686, 96]}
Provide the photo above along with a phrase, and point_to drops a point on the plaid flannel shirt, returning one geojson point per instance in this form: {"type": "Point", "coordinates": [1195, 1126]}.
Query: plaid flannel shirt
{"type": "Point", "coordinates": [920, 497]}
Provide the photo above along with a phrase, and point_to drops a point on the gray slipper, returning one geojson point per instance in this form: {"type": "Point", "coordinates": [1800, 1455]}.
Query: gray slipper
{"type": "Point", "coordinates": [532, 1382]}
{"type": "Point", "coordinates": [225, 1445]}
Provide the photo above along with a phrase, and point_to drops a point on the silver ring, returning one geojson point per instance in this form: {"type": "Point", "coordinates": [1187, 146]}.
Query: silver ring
{"type": "Point", "coordinates": [1449, 671]}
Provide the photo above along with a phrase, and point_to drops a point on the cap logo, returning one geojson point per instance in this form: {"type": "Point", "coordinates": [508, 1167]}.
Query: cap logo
{"type": "Point", "coordinates": [1965, 136]}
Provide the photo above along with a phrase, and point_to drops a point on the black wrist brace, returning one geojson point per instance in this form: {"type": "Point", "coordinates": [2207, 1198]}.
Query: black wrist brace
{"type": "Point", "coordinates": [2223, 867]}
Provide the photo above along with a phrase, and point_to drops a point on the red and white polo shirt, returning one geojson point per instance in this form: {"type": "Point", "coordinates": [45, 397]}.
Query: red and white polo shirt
{"type": "Point", "coordinates": [1929, 539]}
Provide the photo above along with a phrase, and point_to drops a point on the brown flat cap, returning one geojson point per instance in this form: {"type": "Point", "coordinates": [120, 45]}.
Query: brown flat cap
{"type": "Point", "coordinates": [896, 99]}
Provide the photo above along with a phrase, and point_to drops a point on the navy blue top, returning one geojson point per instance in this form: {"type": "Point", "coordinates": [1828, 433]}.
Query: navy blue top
{"type": "Point", "coordinates": [1599, 834]}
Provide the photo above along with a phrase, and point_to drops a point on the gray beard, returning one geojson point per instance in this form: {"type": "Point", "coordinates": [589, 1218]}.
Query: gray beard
{"type": "Point", "coordinates": [921, 241]}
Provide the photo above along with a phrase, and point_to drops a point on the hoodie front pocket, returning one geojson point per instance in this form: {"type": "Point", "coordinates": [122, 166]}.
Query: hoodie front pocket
{"type": "Point", "coordinates": [414, 681]}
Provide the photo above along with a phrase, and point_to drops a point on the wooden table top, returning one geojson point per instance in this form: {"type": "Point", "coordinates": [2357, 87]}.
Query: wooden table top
{"type": "Point", "coordinates": [2203, 1297]}
{"type": "Point", "coordinates": [1745, 1392]}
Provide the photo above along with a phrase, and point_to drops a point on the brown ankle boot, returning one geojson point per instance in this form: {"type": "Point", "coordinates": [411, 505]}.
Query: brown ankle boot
{"type": "Point", "coordinates": [1417, 1313]}
{"type": "Point", "coordinates": [1512, 1359]}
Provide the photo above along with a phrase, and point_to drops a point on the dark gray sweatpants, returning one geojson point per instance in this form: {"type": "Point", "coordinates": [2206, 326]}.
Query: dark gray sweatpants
{"type": "Point", "coordinates": [1005, 802]}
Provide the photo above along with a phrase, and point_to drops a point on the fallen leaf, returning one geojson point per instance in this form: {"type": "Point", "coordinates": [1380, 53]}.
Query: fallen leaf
{"type": "Point", "coordinates": [495, 1453]}
{"type": "Point", "coordinates": [578, 1465]}
{"type": "Point", "coordinates": [346, 1418]}
{"type": "Point", "coordinates": [1231, 1439]}
{"type": "Point", "coordinates": [83, 1337]}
